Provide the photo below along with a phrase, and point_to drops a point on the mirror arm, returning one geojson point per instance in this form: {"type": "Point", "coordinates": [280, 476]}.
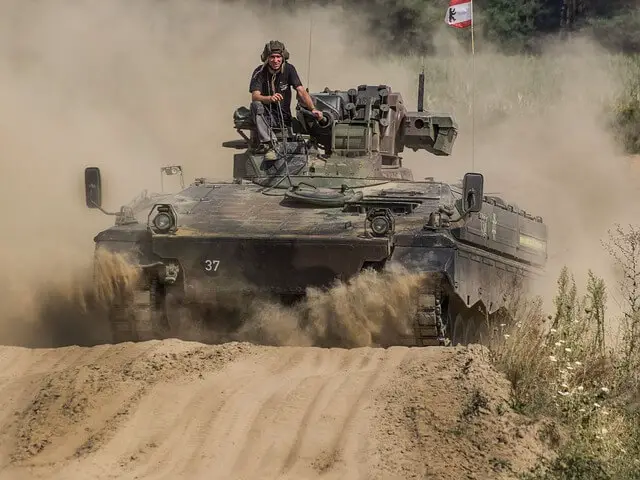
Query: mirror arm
{"type": "Point", "coordinates": [103, 210]}
{"type": "Point", "coordinates": [460, 216]}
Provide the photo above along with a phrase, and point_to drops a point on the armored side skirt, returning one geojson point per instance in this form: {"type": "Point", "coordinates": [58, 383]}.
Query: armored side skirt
{"type": "Point", "coordinates": [474, 275]}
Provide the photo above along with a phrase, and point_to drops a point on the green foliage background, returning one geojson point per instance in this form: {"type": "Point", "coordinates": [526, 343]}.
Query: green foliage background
{"type": "Point", "coordinates": [408, 25]}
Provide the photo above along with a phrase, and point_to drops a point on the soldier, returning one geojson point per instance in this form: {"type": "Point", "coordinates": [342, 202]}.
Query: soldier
{"type": "Point", "coordinates": [270, 88]}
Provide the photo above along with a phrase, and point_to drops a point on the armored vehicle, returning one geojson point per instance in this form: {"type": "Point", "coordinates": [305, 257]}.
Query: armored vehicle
{"type": "Point", "coordinates": [335, 201]}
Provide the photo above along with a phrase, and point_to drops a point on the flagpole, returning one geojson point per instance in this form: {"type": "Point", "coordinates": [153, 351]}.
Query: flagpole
{"type": "Point", "coordinates": [460, 15]}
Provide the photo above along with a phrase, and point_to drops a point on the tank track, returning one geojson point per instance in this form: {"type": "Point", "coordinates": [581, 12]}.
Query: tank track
{"type": "Point", "coordinates": [429, 329]}
{"type": "Point", "coordinates": [134, 314]}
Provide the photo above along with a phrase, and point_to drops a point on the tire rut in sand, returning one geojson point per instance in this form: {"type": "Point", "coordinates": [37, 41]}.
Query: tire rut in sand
{"type": "Point", "coordinates": [284, 412]}
{"type": "Point", "coordinates": [229, 412]}
{"type": "Point", "coordinates": [321, 427]}
{"type": "Point", "coordinates": [249, 411]}
{"type": "Point", "coordinates": [252, 435]}
{"type": "Point", "coordinates": [250, 453]}
{"type": "Point", "coordinates": [325, 397]}
{"type": "Point", "coordinates": [347, 454]}
{"type": "Point", "coordinates": [268, 451]}
{"type": "Point", "coordinates": [60, 398]}
{"type": "Point", "coordinates": [194, 417]}
{"type": "Point", "coordinates": [320, 397]}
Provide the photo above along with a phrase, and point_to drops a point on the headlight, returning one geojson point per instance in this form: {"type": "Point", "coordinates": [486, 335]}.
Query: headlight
{"type": "Point", "coordinates": [162, 222]}
{"type": "Point", "coordinates": [165, 220]}
{"type": "Point", "coordinates": [380, 225]}
{"type": "Point", "coordinates": [380, 221]}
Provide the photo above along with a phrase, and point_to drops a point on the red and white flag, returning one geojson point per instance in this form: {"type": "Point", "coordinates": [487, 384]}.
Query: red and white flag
{"type": "Point", "coordinates": [459, 14]}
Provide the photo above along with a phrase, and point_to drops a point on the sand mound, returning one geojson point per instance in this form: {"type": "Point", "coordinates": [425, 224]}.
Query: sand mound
{"type": "Point", "coordinates": [176, 409]}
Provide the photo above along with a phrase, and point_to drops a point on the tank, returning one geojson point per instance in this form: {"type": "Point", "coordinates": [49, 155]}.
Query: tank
{"type": "Point", "coordinates": [337, 200]}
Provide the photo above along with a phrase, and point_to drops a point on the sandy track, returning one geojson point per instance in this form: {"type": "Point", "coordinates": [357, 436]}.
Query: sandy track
{"type": "Point", "coordinates": [163, 410]}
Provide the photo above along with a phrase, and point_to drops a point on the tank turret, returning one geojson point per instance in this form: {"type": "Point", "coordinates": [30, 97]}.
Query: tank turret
{"type": "Point", "coordinates": [370, 122]}
{"type": "Point", "coordinates": [374, 119]}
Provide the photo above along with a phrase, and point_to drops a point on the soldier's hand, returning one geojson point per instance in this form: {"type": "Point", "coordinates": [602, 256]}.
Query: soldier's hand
{"type": "Point", "coordinates": [317, 114]}
{"type": "Point", "coordinates": [276, 98]}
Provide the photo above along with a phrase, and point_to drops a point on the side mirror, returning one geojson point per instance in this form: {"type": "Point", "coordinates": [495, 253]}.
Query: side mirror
{"type": "Point", "coordinates": [93, 187]}
{"type": "Point", "coordinates": [472, 192]}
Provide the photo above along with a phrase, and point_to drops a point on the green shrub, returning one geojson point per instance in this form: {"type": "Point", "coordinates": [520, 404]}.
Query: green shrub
{"type": "Point", "coordinates": [561, 367]}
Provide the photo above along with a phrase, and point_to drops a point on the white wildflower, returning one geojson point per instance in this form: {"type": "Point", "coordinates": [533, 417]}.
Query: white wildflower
{"type": "Point", "coordinates": [580, 388]}
{"type": "Point", "coordinates": [596, 404]}
{"type": "Point", "coordinates": [568, 350]}
{"type": "Point", "coordinates": [553, 358]}
{"type": "Point", "coordinates": [582, 410]}
{"type": "Point", "coordinates": [564, 385]}
{"type": "Point", "coordinates": [553, 330]}
{"type": "Point", "coordinates": [557, 344]}
{"type": "Point", "coordinates": [506, 335]}
{"type": "Point", "coordinates": [503, 324]}
{"type": "Point", "coordinates": [577, 363]}
{"type": "Point", "coordinates": [605, 390]}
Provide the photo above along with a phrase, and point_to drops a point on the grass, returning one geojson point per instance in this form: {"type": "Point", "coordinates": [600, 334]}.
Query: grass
{"type": "Point", "coordinates": [561, 368]}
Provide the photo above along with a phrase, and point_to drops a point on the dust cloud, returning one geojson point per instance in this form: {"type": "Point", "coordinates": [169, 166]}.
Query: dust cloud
{"type": "Point", "coordinates": [374, 308]}
{"type": "Point", "coordinates": [538, 129]}
{"type": "Point", "coordinates": [73, 309]}
{"type": "Point", "coordinates": [130, 87]}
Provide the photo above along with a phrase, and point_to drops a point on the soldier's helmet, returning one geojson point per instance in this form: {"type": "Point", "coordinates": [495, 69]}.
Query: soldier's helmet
{"type": "Point", "coordinates": [274, 46]}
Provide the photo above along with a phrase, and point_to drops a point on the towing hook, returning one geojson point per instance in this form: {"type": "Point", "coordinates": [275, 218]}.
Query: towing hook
{"type": "Point", "coordinates": [167, 272]}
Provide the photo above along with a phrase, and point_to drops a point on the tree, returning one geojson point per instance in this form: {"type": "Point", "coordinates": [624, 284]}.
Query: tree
{"type": "Point", "coordinates": [515, 25]}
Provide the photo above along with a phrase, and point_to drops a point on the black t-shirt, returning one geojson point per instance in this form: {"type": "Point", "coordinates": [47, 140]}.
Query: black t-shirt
{"type": "Point", "coordinates": [280, 82]}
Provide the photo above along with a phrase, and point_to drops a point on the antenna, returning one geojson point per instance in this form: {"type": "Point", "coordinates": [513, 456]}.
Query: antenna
{"type": "Point", "coordinates": [309, 56]}
{"type": "Point", "coordinates": [421, 89]}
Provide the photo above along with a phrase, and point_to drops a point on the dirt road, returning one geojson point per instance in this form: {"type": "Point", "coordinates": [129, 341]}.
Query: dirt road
{"type": "Point", "coordinates": [176, 409]}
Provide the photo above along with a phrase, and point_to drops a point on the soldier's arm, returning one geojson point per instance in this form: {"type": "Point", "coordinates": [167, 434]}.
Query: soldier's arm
{"type": "Point", "coordinates": [295, 82]}
{"type": "Point", "coordinates": [254, 88]}
{"type": "Point", "coordinates": [306, 98]}
{"type": "Point", "coordinates": [256, 96]}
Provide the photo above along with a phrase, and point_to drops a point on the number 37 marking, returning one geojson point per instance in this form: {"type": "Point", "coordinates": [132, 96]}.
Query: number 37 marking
{"type": "Point", "coordinates": [211, 265]}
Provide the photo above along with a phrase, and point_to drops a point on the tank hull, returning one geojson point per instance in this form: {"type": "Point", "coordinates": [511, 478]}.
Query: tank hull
{"type": "Point", "coordinates": [460, 281]}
